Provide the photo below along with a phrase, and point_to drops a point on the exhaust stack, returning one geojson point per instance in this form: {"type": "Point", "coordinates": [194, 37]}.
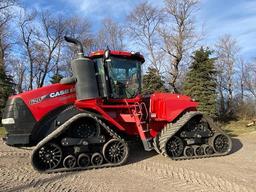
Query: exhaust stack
{"type": "Point", "coordinates": [77, 43]}
{"type": "Point", "coordinates": [84, 73]}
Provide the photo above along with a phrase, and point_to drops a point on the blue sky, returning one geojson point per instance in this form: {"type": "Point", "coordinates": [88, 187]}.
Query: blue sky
{"type": "Point", "coordinates": [219, 17]}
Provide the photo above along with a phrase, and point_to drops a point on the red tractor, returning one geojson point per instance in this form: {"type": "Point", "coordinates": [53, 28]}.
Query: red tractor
{"type": "Point", "coordinates": [87, 120]}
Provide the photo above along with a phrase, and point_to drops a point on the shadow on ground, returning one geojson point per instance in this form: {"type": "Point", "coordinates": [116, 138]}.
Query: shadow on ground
{"type": "Point", "coordinates": [236, 145]}
{"type": "Point", "coordinates": [137, 153]}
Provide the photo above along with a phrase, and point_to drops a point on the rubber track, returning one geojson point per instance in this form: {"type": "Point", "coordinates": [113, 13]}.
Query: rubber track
{"type": "Point", "coordinates": [62, 128]}
{"type": "Point", "coordinates": [171, 128]}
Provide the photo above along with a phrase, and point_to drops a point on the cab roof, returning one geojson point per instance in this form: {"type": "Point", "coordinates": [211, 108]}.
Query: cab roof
{"type": "Point", "coordinates": [125, 54]}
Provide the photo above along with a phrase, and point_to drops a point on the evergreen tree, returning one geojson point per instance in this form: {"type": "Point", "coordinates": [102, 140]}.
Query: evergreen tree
{"type": "Point", "coordinates": [200, 81]}
{"type": "Point", "coordinates": [6, 88]}
{"type": "Point", "coordinates": [152, 82]}
{"type": "Point", "coordinates": [56, 78]}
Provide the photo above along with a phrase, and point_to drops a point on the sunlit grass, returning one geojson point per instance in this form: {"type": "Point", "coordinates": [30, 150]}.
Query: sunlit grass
{"type": "Point", "coordinates": [236, 128]}
{"type": "Point", "coordinates": [2, 131]}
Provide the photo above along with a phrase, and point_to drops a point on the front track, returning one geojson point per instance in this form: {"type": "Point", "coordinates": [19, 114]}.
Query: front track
{"type": "Point", "coordinates": [60, 151]}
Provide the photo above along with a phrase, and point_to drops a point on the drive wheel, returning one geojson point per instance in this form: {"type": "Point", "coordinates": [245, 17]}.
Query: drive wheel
{"type": "Point", "coordinates": [115, 151]}
{"type": "Point", "coordinates": [221, 143]}
{"type": "Point", "coordinates": [174, 147]}
{"type": "Point", "coordinates": [69, 162]}
{"type": "Point", "coordinates": [83, 160]}
{"type": "Point", "coordinates": [48, 157]}
{"type": "Point", "coordinates": [97, 159]}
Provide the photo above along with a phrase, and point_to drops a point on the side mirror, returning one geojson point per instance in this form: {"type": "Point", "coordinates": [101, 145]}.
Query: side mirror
{"type": "Point", "coordinates": [106, 54]}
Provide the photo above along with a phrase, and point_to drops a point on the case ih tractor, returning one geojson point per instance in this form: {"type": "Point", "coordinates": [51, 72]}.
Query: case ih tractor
{"type": "Point", "coordinates": [87, 120]}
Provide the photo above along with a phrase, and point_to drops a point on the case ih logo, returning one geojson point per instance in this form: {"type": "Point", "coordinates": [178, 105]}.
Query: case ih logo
{"type": "Point", "coordinates": [59, 93]}
{"type": "Point", "coordinates": [51, 95]}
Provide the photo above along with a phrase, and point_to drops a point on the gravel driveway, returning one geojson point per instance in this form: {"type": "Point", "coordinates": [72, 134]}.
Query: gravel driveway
{"type": "Point", "coordinates": [145, 171]}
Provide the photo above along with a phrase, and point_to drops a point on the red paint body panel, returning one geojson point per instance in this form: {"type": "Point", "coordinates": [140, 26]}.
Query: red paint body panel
{"type": "Point", "coordinates": [93, 104]}
{"type": "Point", "coordinates": [43, 100]}
{"type": "Point", "coordinates": [121, 113]}
{"type": "Point", "coordinates": [168, 106]}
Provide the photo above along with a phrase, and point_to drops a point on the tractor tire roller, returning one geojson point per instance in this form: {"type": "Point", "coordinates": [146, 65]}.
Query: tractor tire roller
{"type": "Point", "coordinates": [192, 136]}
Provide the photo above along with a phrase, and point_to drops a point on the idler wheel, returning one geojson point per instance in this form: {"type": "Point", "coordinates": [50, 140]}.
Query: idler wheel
{"type": "Point", "coordinates": [220, 143]}
{"type": "Point", "coordinates": [174, 147]}
{"type": "Point", "coordinates": [189, 151]}
{"type": "Point", "coordinates": [115, 151]}
{"type": "Point", "coordinates": [83, 160]}
{"type": "Point", "coordinates": [47, 157]}
{"type": "Point", "coordinates": [97, 159]}
{"type": "Point", "coordinates": [199, 150]}
{"type": "Point", "coordinates": [69, 162]}
{"type": "Point", "coordinates": [85, 128]}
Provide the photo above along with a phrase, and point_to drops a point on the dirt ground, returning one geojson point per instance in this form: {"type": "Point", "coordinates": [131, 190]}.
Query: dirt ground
{"type": "Point", "coordinates": [145, 171]}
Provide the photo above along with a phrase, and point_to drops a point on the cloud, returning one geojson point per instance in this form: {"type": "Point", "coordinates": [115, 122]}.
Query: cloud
{"type": "Point", "coordinates": [219, 17]}
{"type": "Point", "coordinates": [100, 9]}
{"type": "Point", "coordinates": [237, 18]}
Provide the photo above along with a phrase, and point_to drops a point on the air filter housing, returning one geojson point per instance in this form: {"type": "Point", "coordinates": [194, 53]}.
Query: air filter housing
{"type": "Point", "coordinates": [86, 84]}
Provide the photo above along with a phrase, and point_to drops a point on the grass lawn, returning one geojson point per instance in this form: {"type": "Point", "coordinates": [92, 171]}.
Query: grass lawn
{"type": "Point", "coordinates": [236, 128]}
{"type": "Point", "coordinates": [2, 132]}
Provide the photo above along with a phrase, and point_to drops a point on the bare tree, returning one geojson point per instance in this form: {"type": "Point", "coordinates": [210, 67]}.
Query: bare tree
{"type": "Point", "coordinates": [227, 52]}
{"type": "Point", "coordinates": [178, 34]}
{"type": "Point", "coordinates": [6, 85]}
{"type": "Point", "coordinates": [80, 29]}
{"type": "Point", "coordinates": [249, 75]}
{"type": "Point", "coordinates": [17, 65]}
{"type": "Point", "coordinates": [5, 11]}
{"type": "Point", "coordinates": [45, 54]}
{"type": "Point", "coordinates": [245, 90]}
{"type": "Point", "coordinates": [3, 45]}
{"type": "Point", "coordinates": [42, 43]}
{"type": "Point", "coordinates": [111, 34]}
{"type": "Point", "coordinates": [6, 14]}
{"type": "Point", "coordinates": [27, 31]}
{"type": "Point", "coordinates": [143, 25]}
{"type": "Point", "coordinates": [5, 4]}
{"type": "Point", "coordinates": [241, 78]}
{"type": "Point", "coordinates": [48, 37]}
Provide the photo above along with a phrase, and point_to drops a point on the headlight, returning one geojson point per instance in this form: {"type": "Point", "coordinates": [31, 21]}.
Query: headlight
{"type": "Point", "coordinates": [8, 121]}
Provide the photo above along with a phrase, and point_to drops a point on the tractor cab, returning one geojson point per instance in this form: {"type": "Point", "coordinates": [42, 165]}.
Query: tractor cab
{"type": "Point", "coordinates": [106, 74]}
{"type": "Point", "coordinates": [118, 73]}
